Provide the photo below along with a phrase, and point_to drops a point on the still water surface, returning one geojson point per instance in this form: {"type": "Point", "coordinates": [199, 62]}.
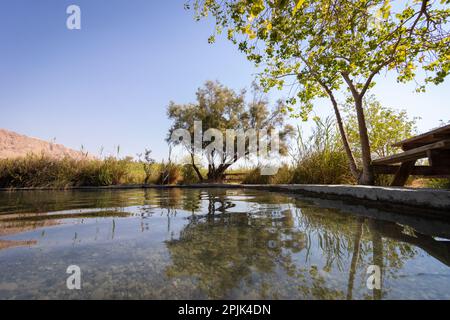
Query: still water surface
{"type": "Point", "coordinates": [227, 244]}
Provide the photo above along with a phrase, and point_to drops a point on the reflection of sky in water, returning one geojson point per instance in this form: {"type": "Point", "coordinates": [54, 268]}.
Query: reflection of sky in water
{"type": "Point", "coordinates": [192, 244]}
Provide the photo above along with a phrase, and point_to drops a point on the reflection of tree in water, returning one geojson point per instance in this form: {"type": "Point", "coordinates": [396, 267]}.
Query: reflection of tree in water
{"type": "Point", "coordinates": [223, 251]}
{"type": "Point", "coordinates": [354, 243]}
{"type": "Point", "coordinates": [282, 247]}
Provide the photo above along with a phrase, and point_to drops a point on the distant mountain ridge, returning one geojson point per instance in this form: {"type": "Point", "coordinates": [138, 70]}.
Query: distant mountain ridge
{"type": "Point", "coordinates": [15, 145]}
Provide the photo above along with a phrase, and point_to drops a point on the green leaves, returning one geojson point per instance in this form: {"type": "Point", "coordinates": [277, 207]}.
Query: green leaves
{"type": "Point", "coordinates": [298, 5]}
{"type": "Point", "coordinates": [310, 44]}
{"type": "Point", "coordinates": [211, 39]}
{"type": "Point", "coordinates": [256, 7]}
{"type": "Point", "coordinates": [385, 10]}
{"type": "Point", "coordinates": [385, 126]}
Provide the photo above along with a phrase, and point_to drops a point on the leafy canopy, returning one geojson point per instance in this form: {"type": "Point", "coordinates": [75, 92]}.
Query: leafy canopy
{"type": "Point", "coordinates": [222, 108]}
{"type": "Point", "coordinates": [322, 44]}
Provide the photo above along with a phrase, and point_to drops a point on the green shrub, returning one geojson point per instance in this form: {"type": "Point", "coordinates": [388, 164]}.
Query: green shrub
{"type": "Point", "coordinates": [254, 177]}
{"type": "Point", "coordinates": [438, 183]}
{"type": "Point", "coordinates": [169, 173]}
{"type": "Point", "coordinates": [283, 176]}
{"type": "Point", "coordinates": [189, 175]}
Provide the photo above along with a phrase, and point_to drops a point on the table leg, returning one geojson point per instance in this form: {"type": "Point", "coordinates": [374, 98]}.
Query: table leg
{"type": "Point", "coordinates": [402, 174]}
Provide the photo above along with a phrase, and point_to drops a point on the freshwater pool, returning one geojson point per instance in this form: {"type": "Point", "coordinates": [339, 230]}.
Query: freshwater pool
{"type": "Point", "coordinates": [215, 244]}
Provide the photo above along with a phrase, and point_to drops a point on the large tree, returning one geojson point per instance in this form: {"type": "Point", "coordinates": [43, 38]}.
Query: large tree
{"type": "Point", "coordinates": [221, 108]}
{"type": "Point", "coordinates": [323, 46]}
{"type": "Point", "coordinates": [385, 126]}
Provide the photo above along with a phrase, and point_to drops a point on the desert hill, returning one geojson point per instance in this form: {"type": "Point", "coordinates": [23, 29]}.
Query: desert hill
{"type": "Point", "coordinates": [14, 145]}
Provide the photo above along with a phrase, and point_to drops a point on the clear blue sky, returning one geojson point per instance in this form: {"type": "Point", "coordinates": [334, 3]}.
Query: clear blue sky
{"type": "Point", "coordinates": [109, 83]}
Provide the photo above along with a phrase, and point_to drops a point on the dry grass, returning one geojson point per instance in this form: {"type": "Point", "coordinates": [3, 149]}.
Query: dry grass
{"type": "Point", "coordinates": [44, 171]}
{"type": "Point", "coordinates": [319, 159]}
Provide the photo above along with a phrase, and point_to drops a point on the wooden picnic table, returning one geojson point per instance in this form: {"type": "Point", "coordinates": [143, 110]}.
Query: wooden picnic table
{"type": "Point", "coordinates": [434, 145]}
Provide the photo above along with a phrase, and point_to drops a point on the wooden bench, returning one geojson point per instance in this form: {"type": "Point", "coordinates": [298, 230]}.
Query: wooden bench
{"type": "Point", "coordinates": [434, 145]}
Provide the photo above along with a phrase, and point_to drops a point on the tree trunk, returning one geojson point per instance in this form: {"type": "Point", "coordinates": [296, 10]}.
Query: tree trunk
{"type": "Point", "coordinates": [355, 257]}
{"type": "Point", "coordinates": [377, 247]}
{"type": "Point", "coordinates": [197, 171]}
{"type": "Point", "coordinates": [348, 151]}
{"type": "Point", "coordinates": [367, 177]}
{"type": "Point", "coordinates": [215, 175]}
{"type": "Point", "coordinates": [351, 160]}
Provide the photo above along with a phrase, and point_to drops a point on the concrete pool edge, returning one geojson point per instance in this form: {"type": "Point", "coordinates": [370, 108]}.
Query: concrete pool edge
{"type": "Point", "coordinates": [422, 198]}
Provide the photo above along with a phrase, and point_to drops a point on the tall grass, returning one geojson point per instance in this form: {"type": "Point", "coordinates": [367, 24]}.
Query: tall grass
{"type": "Point", "coordinates": [283, 176]}
{"type": "Point", "coordinates": [316, 168]}
{"type": "Point", "coordinates": [43, 171]}
{"type": "Point", "coordinates": [321, 158]}
{"type": "Point", "coordinates": [317, 159]}
{"type": "Point", "coordinates": [323, 167]}
{"type": "Point", "coordinates": [169, 173]}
